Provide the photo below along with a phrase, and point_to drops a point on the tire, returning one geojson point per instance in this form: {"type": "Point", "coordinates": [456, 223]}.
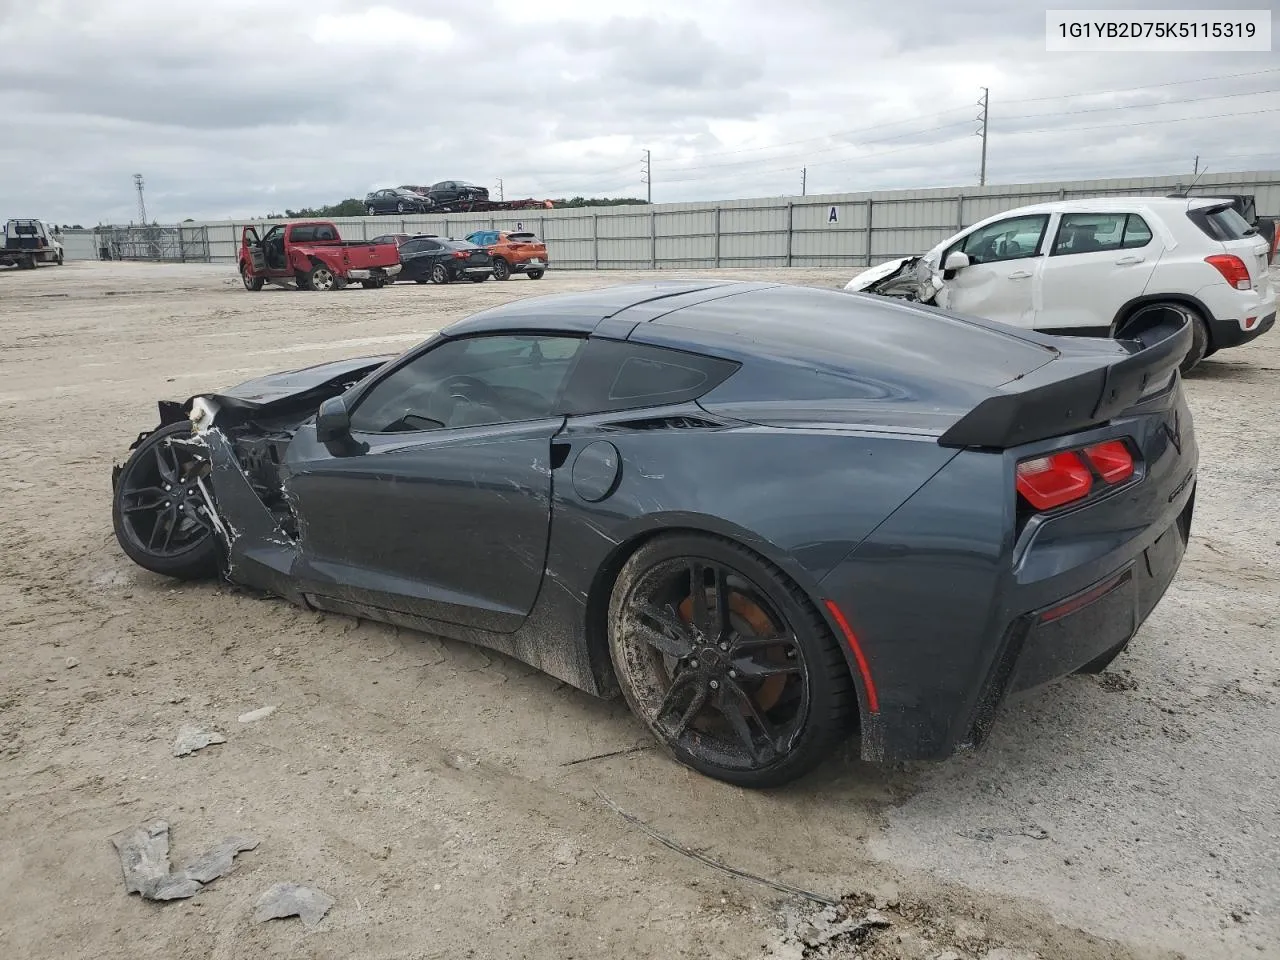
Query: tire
{"type": "Point", "coordinates": [27, 263]}
{"type": "Point", "coordinates": [58, 262]}
{"type": "Point", "coordinates": [479, 278]}
{"type": "Point", "coordinates": [322, 279]}
{"type": "Point", "coordinates": [370, 284]}
{"type": "Point", "coordinates": [421, 280]}
{"type": "Point", "coordinates": [140, 531]}
{"type": "Point", "coordinates": [253, 284]}
{"type": "Point", "coordinates": [440, 274]}
{"type": "Point", "coordinates": [501, 269]}
{"type": "Point", "coordinates": [802, 698]}
{"type": "Point", "coordinates": [400, 207]}
{"type": "Point", "coordinates": [373, 211]}
{"type": "Point", "coordinates": [534, 274]}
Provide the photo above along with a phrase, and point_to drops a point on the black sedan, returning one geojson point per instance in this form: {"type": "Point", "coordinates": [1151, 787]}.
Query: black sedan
{"type": "Point", "coordinates": [397, 200]}
{"type": "Point", "coordinates": [456, 192]}
{"type": "Point", "coordinates": [769, 516]}
{"type": "Point", "coordinates": [441, 260]}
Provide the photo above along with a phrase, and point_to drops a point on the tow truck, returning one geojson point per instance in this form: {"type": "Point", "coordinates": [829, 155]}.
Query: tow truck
{"type": "Point", "coordinates": [29, 243]}
{"type": "Point", "coordinates": [313, 255]}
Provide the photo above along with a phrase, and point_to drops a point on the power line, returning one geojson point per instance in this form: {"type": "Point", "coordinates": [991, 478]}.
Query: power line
{"type": "Point", "coordinates": [1149, 86]}
{"type": "Point", "coordinates": [1142, 106]}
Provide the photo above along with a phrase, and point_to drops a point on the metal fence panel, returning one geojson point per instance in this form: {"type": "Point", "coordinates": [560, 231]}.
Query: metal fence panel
{"type": "Point", "coordinates": [851, 229]}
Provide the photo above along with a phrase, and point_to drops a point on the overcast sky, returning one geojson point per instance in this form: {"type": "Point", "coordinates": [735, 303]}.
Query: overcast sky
{"type": "Point", "coordinates": [235, 108]}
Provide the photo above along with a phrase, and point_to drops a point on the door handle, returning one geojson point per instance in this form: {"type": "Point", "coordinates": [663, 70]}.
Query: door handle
{"type": "Point", "coordinates": [1124, 261]}
{"type": "Point", "coordinates": [1020, 275]}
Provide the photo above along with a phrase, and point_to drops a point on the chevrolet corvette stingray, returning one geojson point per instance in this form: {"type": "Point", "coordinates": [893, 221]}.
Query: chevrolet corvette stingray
{"type": "Point", "coordinates": [771, 517]}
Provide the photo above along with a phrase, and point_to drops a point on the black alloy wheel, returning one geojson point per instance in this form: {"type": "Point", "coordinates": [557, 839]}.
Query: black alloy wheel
{"type": "Point", "coordinates": [160, 509]}
{"type": "Point", "coordinates": [501, 269]}
{"type": "Point", "coordinates": [440, 273]}
{"type": "Point", "coordinates": [726, 661]}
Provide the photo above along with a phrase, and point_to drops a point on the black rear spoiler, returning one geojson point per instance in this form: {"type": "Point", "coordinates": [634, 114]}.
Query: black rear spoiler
{"type": "Point", "coordinates": [1075, 391]}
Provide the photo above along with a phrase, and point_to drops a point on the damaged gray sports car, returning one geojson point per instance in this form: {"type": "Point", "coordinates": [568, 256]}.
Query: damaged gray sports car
{"type": "Point", "coordinates": [770, 516]}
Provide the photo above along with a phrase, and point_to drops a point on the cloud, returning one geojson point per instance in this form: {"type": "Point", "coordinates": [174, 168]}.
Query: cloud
{"type": "Point", "coordinates": [232, 108]}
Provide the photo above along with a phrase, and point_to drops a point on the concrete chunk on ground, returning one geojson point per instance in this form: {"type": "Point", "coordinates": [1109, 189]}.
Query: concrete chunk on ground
{"type": "Point", "coordinates": [144, 859]}
{"type": "Point", "coordinates": [190, 739]}
{"type": "Point", "coordinates": [293, 900]}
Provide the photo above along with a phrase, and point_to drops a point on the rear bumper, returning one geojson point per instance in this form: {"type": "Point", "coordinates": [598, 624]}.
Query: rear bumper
{"type": "Point", "coordinates": [1232, 333]}
{"type": "Point", "coordinates": [373, 272]}
{"type": "Point", "coordinates": [524, 266]}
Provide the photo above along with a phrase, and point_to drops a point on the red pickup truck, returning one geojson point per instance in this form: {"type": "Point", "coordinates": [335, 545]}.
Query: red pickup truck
{"type": "Point", "coordinates": [314, 256]}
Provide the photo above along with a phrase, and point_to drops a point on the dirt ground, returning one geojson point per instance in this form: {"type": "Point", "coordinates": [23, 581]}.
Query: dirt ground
{"type": "Point", "coordinates": [457, 804]}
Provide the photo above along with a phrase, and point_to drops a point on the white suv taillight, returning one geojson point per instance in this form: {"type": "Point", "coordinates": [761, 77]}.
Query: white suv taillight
{"type": "Point", "coordinates": [1232, 269]}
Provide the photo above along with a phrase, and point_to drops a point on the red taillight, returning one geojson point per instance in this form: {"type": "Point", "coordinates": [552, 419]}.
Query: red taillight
{"type": "Point", "coordinates": [1112, 460]}
{"type": "Point", "coordinates": [1048, 482]}
{"type": "Point", "coordinates": [1061, 478]}
{"type": "Point", "coordinates": [460, 254]}
{"type": "Point", "coordinates": [1232, 269]}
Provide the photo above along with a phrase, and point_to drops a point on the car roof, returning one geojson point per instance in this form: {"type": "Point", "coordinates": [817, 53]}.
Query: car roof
{"type": "Point", "coordinates": [742, 319]}
{"type": "Point", "coordinates": [1118, 204]}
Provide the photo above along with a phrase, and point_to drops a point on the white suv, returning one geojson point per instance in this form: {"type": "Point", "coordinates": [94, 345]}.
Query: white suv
{"type": "Point", "coordinates": [1094, 267]}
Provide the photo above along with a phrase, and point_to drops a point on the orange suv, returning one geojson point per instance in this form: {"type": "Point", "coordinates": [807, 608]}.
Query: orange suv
{"type": "Point", "coordinates": [513, 252]}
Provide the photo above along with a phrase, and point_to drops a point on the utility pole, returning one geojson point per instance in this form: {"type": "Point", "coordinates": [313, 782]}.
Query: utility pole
{"type": "Point", "coordinates": [142, 204]}
{"type": "Point", "coordinates": [500, 196]}
{"type": "Point", "coordinates": [983, 103]}
{"type": "Point", "coordinates": [804, 177]}
{"type": "Point", "coordinates": [1196, 171]}
{"type": "Point", "coordinates": [647, 177]}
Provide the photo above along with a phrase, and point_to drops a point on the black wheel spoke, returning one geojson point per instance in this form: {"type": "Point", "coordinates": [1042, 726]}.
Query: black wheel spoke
{"type": "Point", "coordinates": [749, 665]}
{"type": "Point", "coordinates": [710, 617]}
{"type": "Point", "coordinates": [740, 702]}
{"type": "Point", "coordinates": [166, 463]}
{"type": "Point", "coordinates": [726, 703]}
{"type": "Point", "coordinates": [667, 634]}
{"type": "Point", "coordinates": [163, 521]}
{"type": "Point", "coordinates": [687, 680]}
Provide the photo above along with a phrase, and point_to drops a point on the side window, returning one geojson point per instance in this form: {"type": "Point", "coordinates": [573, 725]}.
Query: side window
{"type": "Point", "coordinates": [412, 246]}
{"type": "Point", "coordinates": [303, 234]}
{"type": "Point", "coordinates": [325, 233]}
{"type": "Point", "coordinates": [1011, 239]}
{"type": "Point", "coordinates": [472, 382]}
{"type": "Point", "coordinates": [1136, 232]}
{"type": "Point", "coordinates": [1090, 233]}
{"type": "Point", "coordinates": [617, 375]}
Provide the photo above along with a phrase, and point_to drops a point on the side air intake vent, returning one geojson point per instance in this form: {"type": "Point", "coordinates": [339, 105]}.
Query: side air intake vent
{"type": "Point", "coordinates": [665, 423]}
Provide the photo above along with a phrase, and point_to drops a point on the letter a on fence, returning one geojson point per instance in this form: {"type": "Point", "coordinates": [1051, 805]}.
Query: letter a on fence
{"type": "Point", "coordinates": [833, 215]}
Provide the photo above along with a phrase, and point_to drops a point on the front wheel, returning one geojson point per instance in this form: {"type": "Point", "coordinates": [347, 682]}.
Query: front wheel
{"type": "Point", "coordinates": [160, 512]}
{"type": "Point", "coordinates": [479, 277]}
{"type": "Point", "coordinates": [399, 208]}
{"type": "Point", "coordinates": [373, 212]}
{"type": "Point", "coordinates": [250, 282]}
{"type": "Point", "coordinates": [534, 274]}
{"type": "Point", "coordinates": [439, 273]}
{"type": "Point", "coordinates": [727, 661]}
{"type": "Point", "coordinates": [501, 269]}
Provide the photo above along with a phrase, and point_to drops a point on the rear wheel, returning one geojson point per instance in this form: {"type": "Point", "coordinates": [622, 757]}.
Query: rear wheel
{"type": "Point", "coordinates": [374, 284]}
{"type": "Point", "coordinates": [501, 269]}
{"type": "Point", "coordinates": [250, 282]}
{"type": "Point", "coordinates": [159, 511]}
{"type": "Point", "coordinates": [534, 274]}
{"type": "Point", "coordinates": [372, 211]}
{"type": "Point", "coordinates": [440, 273]}
{"type": "Point", "coordinates": [322, 279]}
{"type": "Point", "coordinates": [727, 662]}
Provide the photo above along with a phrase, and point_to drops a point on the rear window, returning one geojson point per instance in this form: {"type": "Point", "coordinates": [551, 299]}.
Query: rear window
{"type": "Point", "coordinates": [522, 237]}
{"type": "Point", "coordinates": [616, 375]}
{"type": "Point", "coordinates": [1221, 223]}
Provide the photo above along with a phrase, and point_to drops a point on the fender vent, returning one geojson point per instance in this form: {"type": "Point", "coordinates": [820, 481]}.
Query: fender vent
{"type": "Point", "coordinates": [666, 423]}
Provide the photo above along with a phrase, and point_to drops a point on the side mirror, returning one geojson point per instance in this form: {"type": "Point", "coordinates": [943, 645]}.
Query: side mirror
{"type": "Point", "coordinates": [956, 260]}
{"type": "Point", "coordinates": [333, 422]}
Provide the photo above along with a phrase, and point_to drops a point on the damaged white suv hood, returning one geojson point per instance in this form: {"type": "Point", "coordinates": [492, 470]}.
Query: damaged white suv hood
{"type": "Point", "coordinates": [911, 278]}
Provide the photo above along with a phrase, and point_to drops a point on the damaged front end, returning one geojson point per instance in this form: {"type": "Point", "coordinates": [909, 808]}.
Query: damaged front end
{"type": "Point", "coordinates": [907, 278]}
{"type": "Point", "coordinates": [235, 452]}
